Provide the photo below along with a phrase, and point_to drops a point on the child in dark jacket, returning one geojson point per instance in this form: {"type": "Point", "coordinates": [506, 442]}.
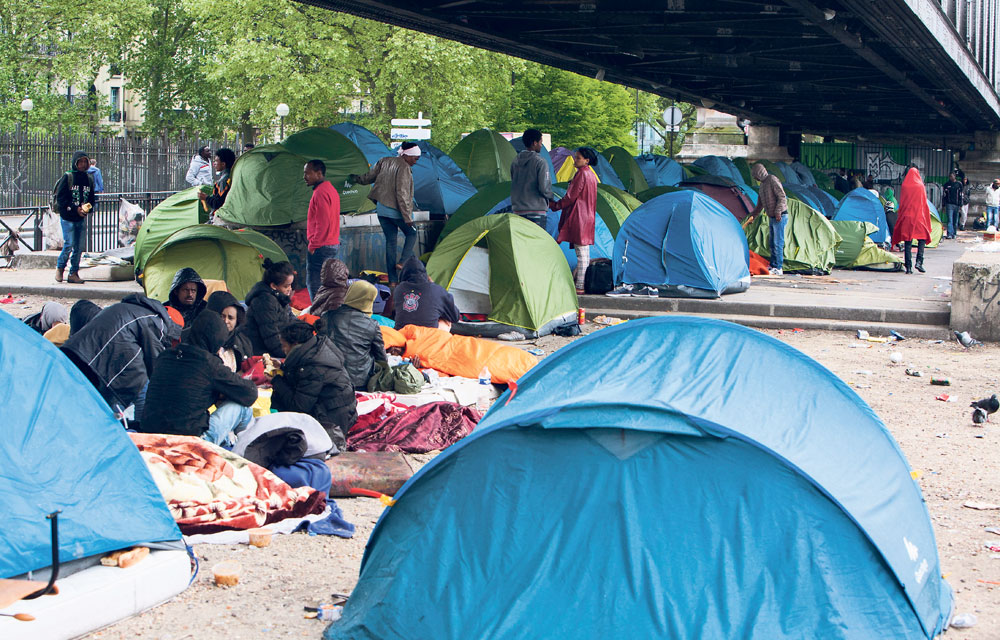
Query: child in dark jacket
{"type": "Point", "coordinates": [313, 381]}
{"type": "Point", "coordinates": [268, 309]}
{"type": "Point", "coordinates": [189, 378]}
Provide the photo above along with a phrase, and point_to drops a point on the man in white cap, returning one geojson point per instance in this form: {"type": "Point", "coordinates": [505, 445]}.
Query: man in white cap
{"type": "Point", "coordinates": [392, 194]}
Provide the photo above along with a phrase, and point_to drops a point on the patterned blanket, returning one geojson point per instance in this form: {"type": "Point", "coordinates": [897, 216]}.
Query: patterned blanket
{"type": "Point", "coordinates": [430, 427]}
{"type": "Point", "coordinates": [209, 489]}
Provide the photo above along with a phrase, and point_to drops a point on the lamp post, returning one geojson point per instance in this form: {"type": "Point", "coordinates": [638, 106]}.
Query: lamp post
{"type": "Point", "coordinates": [26, 106]}
{"type": "Point", "coordinates": [282, 111]}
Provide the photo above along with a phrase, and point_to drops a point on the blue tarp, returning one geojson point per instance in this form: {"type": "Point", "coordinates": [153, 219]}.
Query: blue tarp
{"type": "Point", "coordinates": [719, 166]}
{"type": "Point", "coordinates": [439, 185]}
{"type": "Point", "coordinates": [371, 145]}
{"type": "Point", "coordinates": [864, 206]}
{"type": "Point", "coordinates": [643, 482]}
{"type": "Point", "coordinates": [660, 171]}
{"type": "Point", "coordinates": [62, 449]}
{"type": "Point", "coordinates": [519, 147]}
{"type": "Point", "coordinates": [682, 239]}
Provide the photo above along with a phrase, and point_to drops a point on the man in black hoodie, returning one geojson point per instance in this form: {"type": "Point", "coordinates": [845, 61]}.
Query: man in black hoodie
{"type": "Point", "coordinates": [116, 350]}
{"type": "Point", "coordinates": [418, 301]}
{"type": "Point", "coordinates": [187, 294]}
{"type": "Point", "coordinates": [189, 378]}
{"type": "Point", "coordinates": [75, 197]}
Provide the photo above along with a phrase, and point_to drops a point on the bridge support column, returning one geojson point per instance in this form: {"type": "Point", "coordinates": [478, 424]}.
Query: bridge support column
{"type": "Point", "coordinates": [715, 134]}
{"type": "Point", "coordinates": [981, 165]}
{"type": "Point", "coordinates": [765, 144]}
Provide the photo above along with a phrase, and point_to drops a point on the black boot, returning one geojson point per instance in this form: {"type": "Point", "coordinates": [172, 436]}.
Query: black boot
{"type": "Point", "coordinates": [908, 257]}
{"type": "Point", "coordinates": [920, 256]}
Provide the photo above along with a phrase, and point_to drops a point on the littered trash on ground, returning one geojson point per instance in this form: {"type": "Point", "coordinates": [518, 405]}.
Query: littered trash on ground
{"type": "Point", "coordinates": [964, 621]}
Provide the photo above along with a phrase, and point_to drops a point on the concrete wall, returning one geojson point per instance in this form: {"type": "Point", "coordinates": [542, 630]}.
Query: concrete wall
{"type": "Point", "coordinates": [975, 295]}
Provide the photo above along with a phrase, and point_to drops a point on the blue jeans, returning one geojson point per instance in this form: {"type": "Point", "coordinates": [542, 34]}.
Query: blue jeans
{"type": "Point", "coordinates": [314, 266]}
{"type": "Point", "coordinates": [951, 212]}
{"type": "Point", "coordinates": [991, 215]}
{"type": "Point", "coordinates": [390, 227]}
{"type": "Point", "coordinates": [72, 242]}
{"type": "Point", "coordinates": [229, 419]}
{"type": "Point", "coordinates": [776, 241]}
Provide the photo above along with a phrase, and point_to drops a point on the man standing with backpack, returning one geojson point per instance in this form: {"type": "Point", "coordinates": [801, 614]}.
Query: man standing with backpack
{"type": "Point", "coordinates": [74, 198]}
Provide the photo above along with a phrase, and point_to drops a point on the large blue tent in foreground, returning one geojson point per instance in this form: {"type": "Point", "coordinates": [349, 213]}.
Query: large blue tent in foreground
{"type": "Point", "coordinates": [644, 482]}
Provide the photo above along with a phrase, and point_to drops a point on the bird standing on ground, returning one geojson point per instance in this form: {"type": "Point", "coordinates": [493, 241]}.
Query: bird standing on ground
{"type": "Point", "coordinates": [966, 340]}
{"type": "Point", "coordinates": [989, 405]}
{"type": "Point", "coordinates": [979, 415]}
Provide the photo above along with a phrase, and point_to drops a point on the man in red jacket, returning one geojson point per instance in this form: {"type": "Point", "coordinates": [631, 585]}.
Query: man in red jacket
{"type": "Point", "coordinates": [322, 223]}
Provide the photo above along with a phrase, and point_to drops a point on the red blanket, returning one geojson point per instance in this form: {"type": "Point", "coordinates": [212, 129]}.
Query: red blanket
{"type": "Point", "coordinates": [209, 489]}
{"type": "Point", "coordinates": [421, 429]}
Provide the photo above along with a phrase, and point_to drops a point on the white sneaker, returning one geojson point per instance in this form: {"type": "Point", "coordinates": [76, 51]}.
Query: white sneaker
{"type": "Point", "coordinates": [776, 272]}
{"type": "Point", "coordinates": [620, 291]}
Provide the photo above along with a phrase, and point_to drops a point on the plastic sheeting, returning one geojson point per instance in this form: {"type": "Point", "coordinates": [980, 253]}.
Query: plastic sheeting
{"type": "Point", "coordinates": [862, 205]}
{"type": "Point", "coordinates": [62, 449]}
{"type": "Point", "coordinates": [682, 239]}
{"type": "Point", "coordinates": [715, 506]}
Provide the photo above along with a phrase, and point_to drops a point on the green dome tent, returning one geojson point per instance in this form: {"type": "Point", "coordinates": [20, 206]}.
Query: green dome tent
{"type": "Point", "coordinates": [216, 253]}
{"type": "Point", "coordinates": [857, 251]}
{"type": "Point", "coordinates": [485, 156]}
{"type": "Point", "coordinates": [509, 269]}
{"type": "Point", "coordinates": [627, 169]}
{"type": "Point", "coordinates": [810, 240]}
{"type": "Point", "coordinates": [744, 168]}
{"type": "Point", "coordinates": [630, 202]}
{"type": "Point", "coordinates": [268, 189]}
{"type": "Point", "coordinates": [937, 229]}
{"type": "Point", "coordinates": [183, 209]}
{"type": "Point", "coordinates": [649, 194]}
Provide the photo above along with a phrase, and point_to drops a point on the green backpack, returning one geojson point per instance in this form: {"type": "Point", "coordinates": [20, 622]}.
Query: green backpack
{"type": "Point", "coordinates": [403, 378]}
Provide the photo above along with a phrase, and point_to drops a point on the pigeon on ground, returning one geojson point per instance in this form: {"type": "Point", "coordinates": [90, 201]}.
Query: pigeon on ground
{"type": "Point", "coordinates": [989, 405]}
{"type": "Point", "coordinates": [979, 416]}
{"type": "Point", "coordinates": [966, 340]}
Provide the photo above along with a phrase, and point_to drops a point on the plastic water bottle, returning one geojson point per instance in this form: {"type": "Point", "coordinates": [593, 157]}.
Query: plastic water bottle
{"type": "Point", "coordinates": [483, 399]}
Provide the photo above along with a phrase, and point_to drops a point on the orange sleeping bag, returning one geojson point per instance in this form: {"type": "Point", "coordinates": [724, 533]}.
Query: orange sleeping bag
{"type": "Point", "coordinates": [758, 265]}
{"type": "Point", "coordinates": [466, 356]}
{"type": "Point", "coordinates": [391, 337]}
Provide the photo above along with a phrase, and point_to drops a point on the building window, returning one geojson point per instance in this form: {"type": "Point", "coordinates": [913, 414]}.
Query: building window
{"type": "Point", "coordinates": [116, 104]}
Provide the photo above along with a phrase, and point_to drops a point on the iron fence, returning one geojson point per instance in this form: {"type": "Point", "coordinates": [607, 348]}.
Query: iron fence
{"type": "Point", "coordinates": [31, 163]}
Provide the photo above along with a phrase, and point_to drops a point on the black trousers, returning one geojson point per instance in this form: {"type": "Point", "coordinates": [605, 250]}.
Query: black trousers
{"type": "Point", "coordinates": [907, 246]}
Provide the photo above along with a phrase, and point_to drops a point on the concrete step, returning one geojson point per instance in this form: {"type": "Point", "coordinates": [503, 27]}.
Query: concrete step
{"type": "Point", "coordinates": [938, 314]}
{"type": "Point", "coordinates": [923, 331]}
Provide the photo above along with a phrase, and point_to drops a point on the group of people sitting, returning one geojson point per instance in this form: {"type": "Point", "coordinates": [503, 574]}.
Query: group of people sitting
{"type": "Point", "coordinates": [175, 361]}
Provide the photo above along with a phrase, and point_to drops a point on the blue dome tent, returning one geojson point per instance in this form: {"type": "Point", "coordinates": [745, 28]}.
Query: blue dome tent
{"type": "Point", "coordinates": [63, 450]}
{"type": "Point", "coordinates": [814, 197]}
{"type": "Point", "coordinates": [719, 166]}
{"type": "Point", "coordinates": [370, 145]}
{"type": "Point", "coordinates": [439, 185]}
{"type": "Point", "coordinates": [606, 173]}
{"type": "Point", "coordinates": [685, 243]}
{"type": "Point", "coordinates": [660, 171]}
{"type": "Point", "coordinates": [664, 493]}
{"type": "Point", "coordinates": [862, 205]}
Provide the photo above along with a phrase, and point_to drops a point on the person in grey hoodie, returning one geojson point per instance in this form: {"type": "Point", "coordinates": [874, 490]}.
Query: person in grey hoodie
{"type": "Point", "coordinates": [530, 185]}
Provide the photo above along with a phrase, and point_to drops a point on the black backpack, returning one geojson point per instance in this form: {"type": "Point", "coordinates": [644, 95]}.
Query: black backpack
{"type": "Point", "coordinates": [599, 278]}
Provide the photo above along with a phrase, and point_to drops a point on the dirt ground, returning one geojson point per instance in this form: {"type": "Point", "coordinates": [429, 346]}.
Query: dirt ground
{"type": "Point", "coordinates": [959, 463]}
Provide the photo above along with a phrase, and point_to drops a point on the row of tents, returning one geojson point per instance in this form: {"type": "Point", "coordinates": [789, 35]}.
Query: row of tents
{"type": "Point", "coordinates": [682, 228]}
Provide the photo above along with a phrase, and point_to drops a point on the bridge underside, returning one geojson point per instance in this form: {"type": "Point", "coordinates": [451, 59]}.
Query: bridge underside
{"type": "Point", "coordinates": [884, 69]}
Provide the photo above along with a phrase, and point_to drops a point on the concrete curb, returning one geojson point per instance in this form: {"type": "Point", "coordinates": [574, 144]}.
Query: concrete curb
{"type": "Point", "coordinates": [79, 291]}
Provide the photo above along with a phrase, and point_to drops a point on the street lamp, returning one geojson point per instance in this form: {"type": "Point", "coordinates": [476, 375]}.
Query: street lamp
{"type": "Point", "coordinates": [26, 106]}
{"type": "Point", "coordinates": [282, 111]}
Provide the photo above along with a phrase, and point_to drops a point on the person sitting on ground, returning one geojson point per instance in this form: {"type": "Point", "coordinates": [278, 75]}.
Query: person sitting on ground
{"type": "Point", "coordinates": [579, 207]}
{"type": "Point", "coordinates": [392, 194]}
{"type": "Point", "coordinates": [190, 378]}
{"type": "Point", "coordinates": [237, 347]}
{"type": "Point", "coordinates": [313, 380]}
{"type": "Point", "coordinates": [52, 313]}
{"type": "Point", "coordinates": [82, 312]}
{"type": "Point", "coordinates": [421, 302]}
{"type": "Point", "coordinates": [268, 308]}
{"type": "Point", "coordinates": [187, 294]}
{"type": "Point", "coordinates": [355, 334]}
{"type": "Point", "coordinates": [332, 288]}
{"type": "Point", "coordinates": [223, 164]}
{"type": "Point", "coordinates": [116, 350]}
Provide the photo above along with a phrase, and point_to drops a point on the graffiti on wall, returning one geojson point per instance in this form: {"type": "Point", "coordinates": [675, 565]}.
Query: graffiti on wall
{"type": "Point", "coordinates": [883, 167]}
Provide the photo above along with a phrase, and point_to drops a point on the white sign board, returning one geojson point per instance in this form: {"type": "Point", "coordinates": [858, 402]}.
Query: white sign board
{"type": "Point", "coordinates": [410, 122]}
{"type": "Point", "coordinates": [410, 134]}
{"type": "Point", "coordinates": [673, 117]}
